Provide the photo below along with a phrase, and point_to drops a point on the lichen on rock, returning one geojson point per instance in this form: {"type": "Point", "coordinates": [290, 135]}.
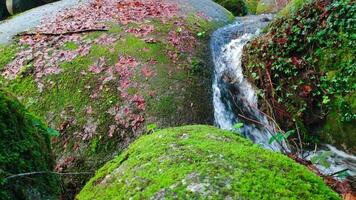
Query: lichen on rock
{"type": "Point", "coordinates": [202, 162]}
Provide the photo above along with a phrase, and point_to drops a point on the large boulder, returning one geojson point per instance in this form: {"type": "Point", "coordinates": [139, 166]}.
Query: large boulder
{"type": "Point", "coordinates": [17, 6]}
{"type": "Point", "coordinates": [202, 162]}
{"type": "Point", "coordinates": [24, 148]}
{"type": "Point", "coordinates": [270, 6]}
{"type": "Point", "coordinates": [3, 10]}
{"type": "Point", "coordinates": [243, 7]}
{"type": "Point", "coordinates": [101, 72]}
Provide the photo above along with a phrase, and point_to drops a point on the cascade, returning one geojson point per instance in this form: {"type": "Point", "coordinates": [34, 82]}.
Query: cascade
{"type": "Point", "coordinates": [235, 99]}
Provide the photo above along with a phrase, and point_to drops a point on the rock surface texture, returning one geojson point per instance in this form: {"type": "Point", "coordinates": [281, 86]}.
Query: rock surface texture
{"type": "Point", "coordinates": [202, 162]}
{"type": "Point", "coordinates": [24, 147]}
{"type": "Point", "coordinates": [100, 72]}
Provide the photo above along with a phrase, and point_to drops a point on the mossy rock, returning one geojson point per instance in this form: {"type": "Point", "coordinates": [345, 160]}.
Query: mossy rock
{"type": "Point", "coordinates": [292, 7]}
{"type": "Point", "coordinates": [236, 7]}
{"type": "Point", "coordinates": [270, 6]}
{"type": "Point", "coordinates": [202, 162]}
{"type": "Point", "coordinates": [340, 133]}
{"type": "Point", "coordinates": [24, 147]}
{"type": "Point", "coordinates": [251, 6]}
{"type": "Point", "coordinates": [152, 71]}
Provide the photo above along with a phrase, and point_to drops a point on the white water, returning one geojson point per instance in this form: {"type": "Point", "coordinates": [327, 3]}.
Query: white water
{"type": "Point", "coordinates": [235, 99]}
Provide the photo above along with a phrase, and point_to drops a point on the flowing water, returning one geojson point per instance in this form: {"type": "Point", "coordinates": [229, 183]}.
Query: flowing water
{"type": "Point", "coordinates": [235, 99]}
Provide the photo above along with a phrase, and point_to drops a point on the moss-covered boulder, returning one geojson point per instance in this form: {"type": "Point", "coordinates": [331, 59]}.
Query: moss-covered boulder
{"type": "Point", "coordinates": [101, 72]}
{"type": "Point", "coordinates": [309, 88]}
{"type": "Point", "coordinates": [202, 162]}
{"type": "Point", "coordinates": [243, 7]}
{"type": "Point", "coordinates": [236, 7]}
{"type": "Point", "coordinates": [270, 6]}
{"type": "Point", "coordinates": [24, 147]}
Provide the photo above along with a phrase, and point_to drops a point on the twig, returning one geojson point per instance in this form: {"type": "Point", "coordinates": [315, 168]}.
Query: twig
{"type": "Point", "coordinates": [316, 146]}
{"type": "Point", "coordinates": [270, 81]}
{"type": "Point", "coordinates": [268, 127]}
{"type": "Point", "coordinates": [268, 116]}
{"type": "Point", "coordinates": [295, 144]}
{"type": "Point", "coordinates": [299, 138]}
{"type": "Point", "coordinates": [338, 172]}
{"type": "Point", "coordinates": [65, 33]}
{"type": "Point", "coordinates": [252, 120]}
{"type": "Point", "coordinates": [47, 172]}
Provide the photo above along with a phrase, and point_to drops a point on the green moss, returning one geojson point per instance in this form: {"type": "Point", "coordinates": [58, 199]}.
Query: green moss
{"type": "Point", "coordinates": [24, 147]}
{"type": "Point", "coordinates": [263, 8]}
{"type": "Point", "coordinates": [138, 48]}
{"type": "Point", "coordinates": [7, 53]}
{"type": "Point", "coordinates": [93, 35]}
{"type": "Point", "coordinates": [65, 98]}
{"type": "Point", "coordinates": [337, 132]}
{"type": "Point", "coordinates": [70, 46]}
{"type": "Point", "coordinates": [236, 7]}
{"type": "Point", "coordinates": [203, 162]}
{"type": "Point", "coordinates": [251, 6]}
{"type": "Point", "coordinates": [114, 28]}
{"type": "Point", "coordinates": [292, 7]}
{"type": "Point", "coordinates": [165, 106]}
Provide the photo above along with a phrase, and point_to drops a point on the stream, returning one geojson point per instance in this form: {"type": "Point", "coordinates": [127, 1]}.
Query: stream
{"type": "Point", "coordinates": [235, 100]}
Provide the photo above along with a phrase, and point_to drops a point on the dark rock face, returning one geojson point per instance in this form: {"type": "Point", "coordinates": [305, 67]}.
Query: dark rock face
{"type": "Point", "coordinates": [24, 147]}
{"type": "Point", "coordinates": [3, 10]}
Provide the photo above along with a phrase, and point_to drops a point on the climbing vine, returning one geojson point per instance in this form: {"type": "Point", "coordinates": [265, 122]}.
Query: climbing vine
{"type": "Point", "coordinates": [302, 84]}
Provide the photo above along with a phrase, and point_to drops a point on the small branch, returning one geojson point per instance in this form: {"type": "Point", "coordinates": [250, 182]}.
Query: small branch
{"type": "Point", "coordinates": [338, 172]}
{"type": "Point", "coordinates": [47, 172]}
{"type": "Point", "coordinates": [65, 33]}
{"type": "Point", "coordinates": [251, 120]}
{"type": "Point", "coordinates": [270, 82]}
{"type": "Point", "coordinates": [299, 138]}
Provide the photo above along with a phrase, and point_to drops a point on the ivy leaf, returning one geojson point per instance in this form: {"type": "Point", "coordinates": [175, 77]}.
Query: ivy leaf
{"type": "Point", "coordinates": [36, 123]}
{"type": "Point", "coordinates": [53, 132]}
{"type": "Point", "coordinates": [289, 133]}
{"type": "Point", "coordinates": [280, 136]}
{"type": "Point", "coordinates": [326, 100]}
{"type": "Point", "coordinates": [201, 34]}
{"type": "Point", "coordinates": [322, 159]}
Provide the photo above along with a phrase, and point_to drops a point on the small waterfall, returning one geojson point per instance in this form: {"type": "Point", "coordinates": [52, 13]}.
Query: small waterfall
{"type": "Point", "coordinates": [235, 99]}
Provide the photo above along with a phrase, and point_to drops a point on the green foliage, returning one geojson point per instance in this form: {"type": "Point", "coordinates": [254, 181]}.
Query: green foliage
{"type": "Point", "coordinates": [280, 136]}
{"type": "Point", "coordinates": [24, 147]}
{"type": "Point", "coordinates": [7, 53]}
{"type": "Point", "coordinates": [322, 159]}
{"type": "Point", "coordinates": [202, 162]}
{"type": "Point", "coordinates": [251, 6]}
{"type": "Point", "coordinates": [70, 46]}
{"type": "Point", "coordinates": [307, 60]}
{"type": "Point", "coordinates": [236, 7]}
{"type": "Point", "coordinates": [151, 128]}
{"type": "Point", "coordinates": [238, 126]}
